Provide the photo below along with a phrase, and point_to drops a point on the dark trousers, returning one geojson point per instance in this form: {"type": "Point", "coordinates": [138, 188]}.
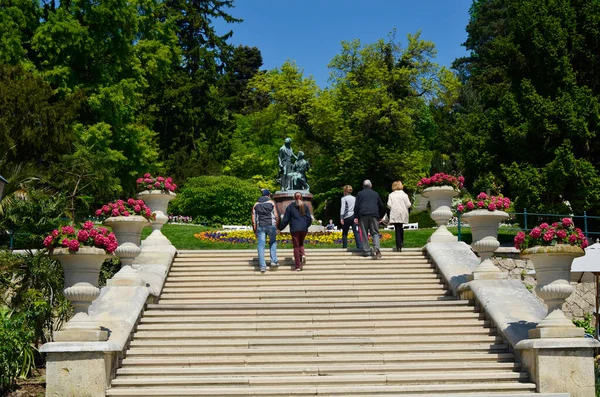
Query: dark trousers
{"type": "Point", "coordinates": [298, 243]}
{"type": "Point", "coordinates": [369, 225]}
{"type": "Point", "coordinates": [349, 223]}
{"type": "Point", "coordinates": [399, 227]}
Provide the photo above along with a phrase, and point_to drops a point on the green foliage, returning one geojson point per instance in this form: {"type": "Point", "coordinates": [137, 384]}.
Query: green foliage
{"type": "Point", "coordinates": [587, 324]}
{"type": "Point", "coordinates": [16, 352]}
{"type": "Point", "coordinates": [34, 214]}
{"type": "Point", "coordinates": [32, 285]}
{"type": "Point", "coordinates": [423, 218]}
{"type": "Point", "coordinates": [109, 268]}
{"type": "Point", "coordinates": [529, 89]}
{"type": "Point", "coordinates": [216, 200]}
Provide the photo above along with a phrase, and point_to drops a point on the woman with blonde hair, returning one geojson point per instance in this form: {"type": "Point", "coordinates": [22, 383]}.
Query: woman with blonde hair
{"type": "Point", "coordinates": [398, 203]}
{"type": "Point", "coordinates": [297, 215]}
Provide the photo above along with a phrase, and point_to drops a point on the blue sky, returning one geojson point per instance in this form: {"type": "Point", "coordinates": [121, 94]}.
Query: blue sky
{"type": "Point", "coordinates": [310, 31]}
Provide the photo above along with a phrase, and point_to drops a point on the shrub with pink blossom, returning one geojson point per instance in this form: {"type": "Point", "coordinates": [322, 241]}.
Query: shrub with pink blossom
{"type": "Point", "coordinates": [563, 232]}
{"type": "Point", "coordinates": [441, 179]}
{"type": "Point", "coordinates": [125, 208]}
{"type": "Point", "coordinates": [148, 182]}
{"type": "Point", "coordinates": [88, 236]}
{"type": "Point", "coordinates": [483, 202]}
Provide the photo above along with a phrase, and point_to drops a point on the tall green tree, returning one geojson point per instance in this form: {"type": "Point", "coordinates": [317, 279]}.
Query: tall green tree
{"type": "Point", "coordinates": [531, 69]}
{"type": "Point", "coordinates": [191, 113]}
{"type": "Point", "coordinates": [378, 124]}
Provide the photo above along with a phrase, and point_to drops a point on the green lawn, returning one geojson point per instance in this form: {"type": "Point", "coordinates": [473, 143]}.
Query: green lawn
{"type": "Point", "coordinates": [182, 237]}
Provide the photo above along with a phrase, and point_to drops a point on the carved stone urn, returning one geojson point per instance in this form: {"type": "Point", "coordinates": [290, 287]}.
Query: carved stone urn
{"type": "Point", "coordinates": [157, 201]}
{"type": "Point", "coordinates": [552, 266]}
{"type": "Point", "coordinates": [81, 269]}
{"type": "Point", "coordinates": [484, 229]}
{"type": "Point", "coordinates": [128, 231]}
{"type": "Point", "coordinates": [440, 199]}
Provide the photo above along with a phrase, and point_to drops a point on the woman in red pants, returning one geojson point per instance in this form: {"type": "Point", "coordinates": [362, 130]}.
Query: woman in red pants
{"type": "Point", "coordinates": [298, 216]}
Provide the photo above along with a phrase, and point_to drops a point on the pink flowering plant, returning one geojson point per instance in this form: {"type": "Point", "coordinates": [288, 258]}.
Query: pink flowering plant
{"type": "Point", "coordinates": [563, 232]}
{"type": "Point", "coordinates": [88, 236]}
{"type": "Point", "coordinates": [148, 182]}
{"type": "Point", "coordinates": [441, 179]}
{"type": "Point", "coordinates": [125, 208]}
{"type": "Point", "coordinates": [483, 202]}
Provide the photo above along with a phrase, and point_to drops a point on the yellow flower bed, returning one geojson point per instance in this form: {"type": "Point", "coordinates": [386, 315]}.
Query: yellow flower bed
{"type": "Point", "coordinates": [248, 237]}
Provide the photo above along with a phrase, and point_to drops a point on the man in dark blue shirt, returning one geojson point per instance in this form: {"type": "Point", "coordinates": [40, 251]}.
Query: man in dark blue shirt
{"type": "Point", "coordinates": [369, 209]}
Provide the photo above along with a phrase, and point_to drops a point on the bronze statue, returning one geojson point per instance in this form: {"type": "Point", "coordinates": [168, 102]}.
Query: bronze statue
{"type": "Point", "coordinates": [292, 175]}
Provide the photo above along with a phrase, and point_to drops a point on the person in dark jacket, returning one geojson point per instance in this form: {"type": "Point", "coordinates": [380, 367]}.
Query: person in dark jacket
{"type": "Point", "coordinates": [265, 219]}
{"type": "Point", "coordinates": [370, 210]}
{"type": "Point", "coordinates": [297, 215]}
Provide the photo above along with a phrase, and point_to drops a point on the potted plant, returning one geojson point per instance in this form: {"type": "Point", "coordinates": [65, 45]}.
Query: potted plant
{"type": "Point", "coordinates": [81, 253]}
{"type": "Point", "coordinates": [126, 219]}
{"type": "Point", "coordinates": [484, 214]}
{"type": "Point", "coordinates": [439, 189]}
{"type": "Point", "coordinates": [157, 192]}
{"type": "Point", "coordinates": [551, 249]}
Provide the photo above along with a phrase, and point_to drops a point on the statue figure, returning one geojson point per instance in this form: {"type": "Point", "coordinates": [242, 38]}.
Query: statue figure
{"type": "Point", "coordinates": [301, 166]}
{"type": "Point", "coordinates": [286, 154]}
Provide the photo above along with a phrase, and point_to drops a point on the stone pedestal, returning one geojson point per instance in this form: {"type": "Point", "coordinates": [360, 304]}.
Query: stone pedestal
{"type": "Point", "coordinates": [283, 199]}
{"type": "Point", "coordinates": [560, 365]}
{"type": "Point", "coordinates": [78, 369]}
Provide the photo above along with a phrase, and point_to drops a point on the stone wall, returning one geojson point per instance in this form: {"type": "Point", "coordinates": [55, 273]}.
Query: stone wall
{"type": "Point", "coordinates": [577, 305]}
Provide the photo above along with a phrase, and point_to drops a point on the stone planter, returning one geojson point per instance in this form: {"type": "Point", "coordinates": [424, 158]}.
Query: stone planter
{"type": "Point", "coordinates": [81, 269]}
{"type": "Point", "coordinates": [553, 270]}
{"type": "Point", "coordinates": [128, 230]}
{"type": "Point", "coordinates": [157, 201]}
{"type": "Point", "coordinates": [440, 199]}
{"type": "Point", "coordinates": [484, 229]}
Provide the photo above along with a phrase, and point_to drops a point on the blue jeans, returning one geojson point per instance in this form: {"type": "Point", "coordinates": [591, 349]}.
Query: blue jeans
{"type": "Point", "coordinates": [261, 234]}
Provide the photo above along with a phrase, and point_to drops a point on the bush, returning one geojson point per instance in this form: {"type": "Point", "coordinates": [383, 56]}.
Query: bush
{"type": "Point", "coordinates": [423, 218]}
{"type": "Point", "coordinates": [216, 200]}
{"type": "Point", "coordinates": [17, 355]}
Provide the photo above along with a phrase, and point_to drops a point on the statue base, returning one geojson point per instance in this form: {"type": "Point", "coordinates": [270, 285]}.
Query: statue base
{"type": "Point", "coordinates": [285, 198]}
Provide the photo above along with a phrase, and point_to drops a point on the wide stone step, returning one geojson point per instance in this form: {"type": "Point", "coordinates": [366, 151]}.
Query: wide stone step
{"type": "Point", "coordinates": [448, 389]}
{"type": "Point", "coordinates": [342, 380]}
{"type": "Point", "coordinates": [446, 358]}
{"type": "Point", "coordinates": [349, 326]}
{"type": "Point", "coordinates": [302, 292]}
{"type": "Point", "coordinates": [316, 350]}
{"type": "Point", "coordinates": [224, 271]}
{"type": "Point", "coordinates": [309, 300]}
{"type": "Point", "coordinates": [324, 261]}
{"type": "Point", "coordinates": [310, 318]}
{"type": "Point", "coordinates": [372, 305]}
{"type": "Point", "coordinates": [299, 277]}
{"type": "Point", "coordinates": [433, 310]}
{"type": "Point", "coordinates": [269, 281]}
{"type": "Point", "coordinates": [300, 288]}
{"type": "Point", "coordinates": [320, 369]}
{"type": "Point", "coordinates": [337, 252]}
{"type": "Point", "coordinates": [192, 333]}
{"type": "Point", "coordinates": [347, 341]}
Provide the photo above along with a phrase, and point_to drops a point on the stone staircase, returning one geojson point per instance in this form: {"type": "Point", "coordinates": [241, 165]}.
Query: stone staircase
{"type": "Point", "coordinates": [345, 326]}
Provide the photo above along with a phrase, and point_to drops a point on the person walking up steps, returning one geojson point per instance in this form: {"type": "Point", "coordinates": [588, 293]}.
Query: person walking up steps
{"type": "Point", "coordinates": [347, 218]}
{"type": "Point", "coordinates": [265, 220]}
{"type": "Point", "coordinates": [370, 210]}
{"type": "Point", "coordinates": [297, 215]}
{"type": "Point", "coordinates": [398, 203]}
